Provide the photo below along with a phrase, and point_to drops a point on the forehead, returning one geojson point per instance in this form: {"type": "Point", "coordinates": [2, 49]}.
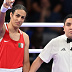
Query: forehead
{"type": "Point", "coordinates": [21, 12]}
{"type": "Point", "coordinates": [69, 20]}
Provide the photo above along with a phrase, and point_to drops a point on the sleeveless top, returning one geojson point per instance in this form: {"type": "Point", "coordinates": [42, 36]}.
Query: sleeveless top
{"type": "Point", "coordinates": [11, 52]}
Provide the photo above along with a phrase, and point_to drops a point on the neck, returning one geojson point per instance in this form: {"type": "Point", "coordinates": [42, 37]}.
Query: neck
{"type": "Point", "coordinates": [12, 28]}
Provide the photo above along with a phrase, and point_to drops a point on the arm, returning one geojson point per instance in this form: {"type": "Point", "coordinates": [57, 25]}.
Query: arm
{"type": "Point", "coordinates": [36, 64]}
{"type": "Point", "coordinates": [2, 19]}
{"type": "Point", "coordinates": [4, 8]}
{"type": "Point", "coordinates": [26, 65]}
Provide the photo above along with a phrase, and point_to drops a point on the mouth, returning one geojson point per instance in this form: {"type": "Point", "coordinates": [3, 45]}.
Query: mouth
{"type": "Point", "coordinates": [17, 23]}
{"type": "Point", "coordinates": [71, 32]}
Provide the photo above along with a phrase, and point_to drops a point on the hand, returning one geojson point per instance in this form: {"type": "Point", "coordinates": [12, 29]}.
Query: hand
{"type": "Point", "coordinates": [8, 3]}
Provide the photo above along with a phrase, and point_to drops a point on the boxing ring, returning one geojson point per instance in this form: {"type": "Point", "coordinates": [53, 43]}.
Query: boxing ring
{"type": "Point", "coordinates": [40, 25]}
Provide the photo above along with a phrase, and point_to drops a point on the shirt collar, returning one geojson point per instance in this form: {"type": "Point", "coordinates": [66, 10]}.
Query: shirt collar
{"type": "Point", "coordinates": [65, 37]}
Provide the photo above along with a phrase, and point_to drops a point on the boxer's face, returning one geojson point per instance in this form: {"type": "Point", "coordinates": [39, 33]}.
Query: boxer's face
{"type": "Point", "coordinates": [68, 28]}
{"type": "Point", "coordinates": [18, 17]}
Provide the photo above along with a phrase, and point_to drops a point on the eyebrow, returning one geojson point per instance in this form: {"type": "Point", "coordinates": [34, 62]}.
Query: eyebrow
{"type": "Point", "coordinates": [68, 23]}
{"type": "Point", "coordinates": [20, 15]}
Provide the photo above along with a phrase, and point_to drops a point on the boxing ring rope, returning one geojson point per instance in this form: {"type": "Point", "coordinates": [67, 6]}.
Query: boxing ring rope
{"type": "Point", "coordinates": [35, 50]}
{"type": "Point", "coordinates": [40, 25]}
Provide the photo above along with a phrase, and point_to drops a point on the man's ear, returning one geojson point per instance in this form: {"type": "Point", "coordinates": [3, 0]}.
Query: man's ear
{"type": "Point", "coordinates": [63, 28]}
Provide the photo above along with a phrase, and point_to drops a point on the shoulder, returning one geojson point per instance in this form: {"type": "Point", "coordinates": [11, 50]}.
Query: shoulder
{"type": "Point", "coordinates": [25, 36]}
{"type": "Point", "coordinates": [58, 39]}
{"type": "Point", "coordinates": [61, 37]}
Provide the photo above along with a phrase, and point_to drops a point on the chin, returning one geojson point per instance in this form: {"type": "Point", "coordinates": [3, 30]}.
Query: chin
{"type": "Point", "coordinates": [70, 36]}
{"type": "Point", "coordinates": [16, 26]}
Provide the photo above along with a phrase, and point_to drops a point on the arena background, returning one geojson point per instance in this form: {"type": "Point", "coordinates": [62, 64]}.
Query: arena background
{"type": "Point", "coordinates": [43, 11]}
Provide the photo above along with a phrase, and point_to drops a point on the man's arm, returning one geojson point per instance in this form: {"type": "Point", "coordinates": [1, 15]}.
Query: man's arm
{"type": "Point", "coordinates": [36, 64]}
{"type": "Point", "coordinates": [26, 65]}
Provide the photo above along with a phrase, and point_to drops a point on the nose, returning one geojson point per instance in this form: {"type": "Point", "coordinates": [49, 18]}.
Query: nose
{"type": "Point", "coordinates": [19, 19]}
{"type": "Point", "coordinates": [71, 26]}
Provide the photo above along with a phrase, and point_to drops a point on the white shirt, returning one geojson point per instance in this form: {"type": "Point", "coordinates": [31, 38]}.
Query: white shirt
{"type": "Point", "coordinates": [59, 50]}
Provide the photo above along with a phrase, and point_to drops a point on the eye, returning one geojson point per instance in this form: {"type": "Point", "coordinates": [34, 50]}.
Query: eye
{"type": "Point", "coordinates": [23, 17]}
{"type": "Point", "coordinates": [18, 15]}
{"type": "Point", "coordinates": [68, 24]}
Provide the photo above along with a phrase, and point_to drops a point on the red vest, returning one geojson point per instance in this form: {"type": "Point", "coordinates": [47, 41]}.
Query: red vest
{"type": "Point", "coordinates": [11, 52]}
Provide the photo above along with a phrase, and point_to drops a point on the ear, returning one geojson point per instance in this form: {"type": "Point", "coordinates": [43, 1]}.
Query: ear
{"type": "Point", "coordinates": [11, 14]}
{"type": "Point", "coordinates": [63, 28]}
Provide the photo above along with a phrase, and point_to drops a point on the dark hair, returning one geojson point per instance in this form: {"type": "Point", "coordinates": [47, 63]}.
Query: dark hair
{"type": "Point", "coordinates": [68, 16]}
{"type": "Point", "coordinates": [18, 6]}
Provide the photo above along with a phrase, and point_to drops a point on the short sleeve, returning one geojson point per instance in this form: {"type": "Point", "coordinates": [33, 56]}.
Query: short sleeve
{"type": "Point", "coordinates": [46, 54]}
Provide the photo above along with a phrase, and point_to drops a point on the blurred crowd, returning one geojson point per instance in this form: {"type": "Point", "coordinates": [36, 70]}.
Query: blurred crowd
{"type": "Point", "coordinates": [43, 11]}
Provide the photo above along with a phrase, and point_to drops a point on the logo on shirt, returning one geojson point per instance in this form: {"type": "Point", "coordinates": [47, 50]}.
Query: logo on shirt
{"type": "Point", "coordinates": [63, 49]}
{"type": "Point", "coordinates": [20, 45]}
{"type": "Point", "coordinates": [6, 41]}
